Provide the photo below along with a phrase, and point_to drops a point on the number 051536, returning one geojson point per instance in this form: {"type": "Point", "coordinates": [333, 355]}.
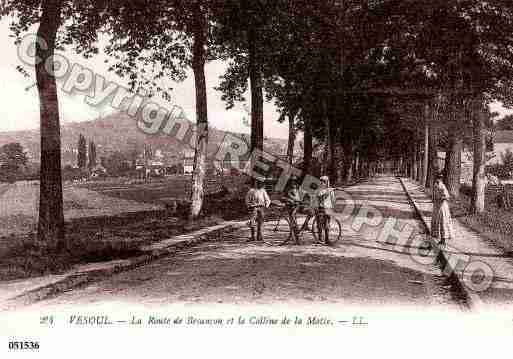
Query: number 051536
{"type": "Point", "coordinates": [19, 345]}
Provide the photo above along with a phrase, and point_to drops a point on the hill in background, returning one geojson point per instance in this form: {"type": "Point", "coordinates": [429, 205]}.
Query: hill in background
{"type": "Point", "coordinates": [119, 132]}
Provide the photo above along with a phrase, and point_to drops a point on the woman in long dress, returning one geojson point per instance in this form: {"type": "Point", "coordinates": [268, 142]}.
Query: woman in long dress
{"type": "Point", "coordinates": [441, 220]}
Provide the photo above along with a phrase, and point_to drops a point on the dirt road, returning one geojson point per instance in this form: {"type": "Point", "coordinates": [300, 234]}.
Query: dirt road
{"type": "Point", "coordinates": [359, 270]}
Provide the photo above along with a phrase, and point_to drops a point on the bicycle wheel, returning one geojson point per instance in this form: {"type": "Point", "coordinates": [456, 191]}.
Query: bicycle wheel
{"type": "Point", "coordinates": [334, 233]}
{"type": "Point", "coordinates": [303, 225]}
{"type": "Point", "coordinates": [277, 225]}
{"type": "Point", "coordinates": [277, 234]}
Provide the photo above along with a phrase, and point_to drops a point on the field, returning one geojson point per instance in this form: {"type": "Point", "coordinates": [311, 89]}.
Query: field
{"type": "Point", "coordinates": [19, 206]}
{"type": "Point", "coordinates": [113, 197]}
{"type": "Point", "coordinates": [105, 220]}
{"type": "Point", "coordinates": [161, 191]}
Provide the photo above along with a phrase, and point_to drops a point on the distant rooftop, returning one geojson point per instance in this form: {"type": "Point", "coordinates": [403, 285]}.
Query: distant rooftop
{"type": "Point", "coordinates": [503, 137]}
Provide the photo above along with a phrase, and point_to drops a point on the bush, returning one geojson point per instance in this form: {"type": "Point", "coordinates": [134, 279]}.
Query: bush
{"type": "Point", "coordinates": [8, 177]}
{"type": "Point", "coordinates": [70, 173]}
{"type": "Point", "coordinates": [466, 190]}
{"type": "Point", "coordinates": [502, 170]}
{"type": "Point", "coordinates": [498, 170]}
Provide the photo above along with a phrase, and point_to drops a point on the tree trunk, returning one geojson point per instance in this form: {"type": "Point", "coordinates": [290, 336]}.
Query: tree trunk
{"type": "Point", "coordinates": [82, 152]}
{"type": "Point", "coordinates": [419, 174]}
{"type": "Point", "coordinates": [257, 96]}
{"type": "Point", "coordinates": [349, 173]}
{"type": "Point", "coordinates": [433, 157]}
{"type": "Point", "coordinates": [414, 165]}
{"type": "Point", "coordinates": [292, 137]}
{"type": "Point", "coordinates": [51, 215]}
{"type": "Point", "coordinates": [333, 158]}
{"type": "Point", "coordinates": [92, 155]}
{"type": "Point", "coordinates": [200, 154]}
{"type": "Point", "coordinates": [332, 147]}
{"type": "Point", "coordinates": [338, 156]}
{"type": "Point", "coordinates": [453, 162]}
{"type": "Point", "coordinates": [357, 172]}
{"type": "Point", "coordinates": [308, 146]}
{"type": "Point", "coordinates": [325, 165]}
{"type": "Point", "coordinates": [348, 160]}
{"type": "Point", "coordinates": [324, 161]}
{"type": "Point", "coordinates": [479, 144]}
{"type": "Point", "coordinates": [426, 148]}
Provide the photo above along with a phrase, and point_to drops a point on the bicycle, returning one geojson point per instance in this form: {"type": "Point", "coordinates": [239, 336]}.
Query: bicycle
{"type": "Point", "coordinates": [335, 230]}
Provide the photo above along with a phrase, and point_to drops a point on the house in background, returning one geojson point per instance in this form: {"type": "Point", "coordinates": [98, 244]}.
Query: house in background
{"type": "Point", "coordinates": [503, 141]}
{"type": "Point", "coordinates": [156, 168]}
{"type": "Point", "coordinates": [188, 162]}
{"type": "Point", "coordinates": [228, 167]}
{"type": "Point", "coordinates": [172, 162]}
{"type": "Point", "coordinates": [98, 171]}
{"type": "Point", "coordinates": [467, 164]}
{"type": "Point", "coordinates": [156, 164]}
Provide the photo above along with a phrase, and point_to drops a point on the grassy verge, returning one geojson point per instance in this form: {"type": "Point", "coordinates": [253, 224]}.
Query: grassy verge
{"type": "Point", "coordinates": [495, 224]}
{"type": "Point", "coordinates": [98, 239]}
{"type": "Point", "coordinates": [91, 240]}
{"type": "Point", "coordinates": [3, 188]}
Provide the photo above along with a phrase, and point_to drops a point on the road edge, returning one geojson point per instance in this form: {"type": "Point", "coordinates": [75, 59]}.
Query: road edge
{"type": "Point", "coordinates": [96, 272]}
{"type": "Point", "coordinates": [471, 301]}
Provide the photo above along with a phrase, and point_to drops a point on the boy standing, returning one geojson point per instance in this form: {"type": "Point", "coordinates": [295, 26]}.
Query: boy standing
{"type": "Point", "coordinates": [293, 200]}
{"type": "Point", "coordinates": [257, 200]}
{"type": "Point", "coordinates": [324, 204]}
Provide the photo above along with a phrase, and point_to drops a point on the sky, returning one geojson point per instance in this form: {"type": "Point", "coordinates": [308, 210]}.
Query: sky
{"type": "Point", "coordinates": [20, 107]}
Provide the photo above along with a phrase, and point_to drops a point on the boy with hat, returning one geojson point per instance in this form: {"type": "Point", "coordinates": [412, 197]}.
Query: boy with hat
{"type": "Point", "coordinates": [293, 200]}
{"type": "Point", "coordinates": [324, 203]}
{"type": "Point", "coordinates": [257, 200]}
